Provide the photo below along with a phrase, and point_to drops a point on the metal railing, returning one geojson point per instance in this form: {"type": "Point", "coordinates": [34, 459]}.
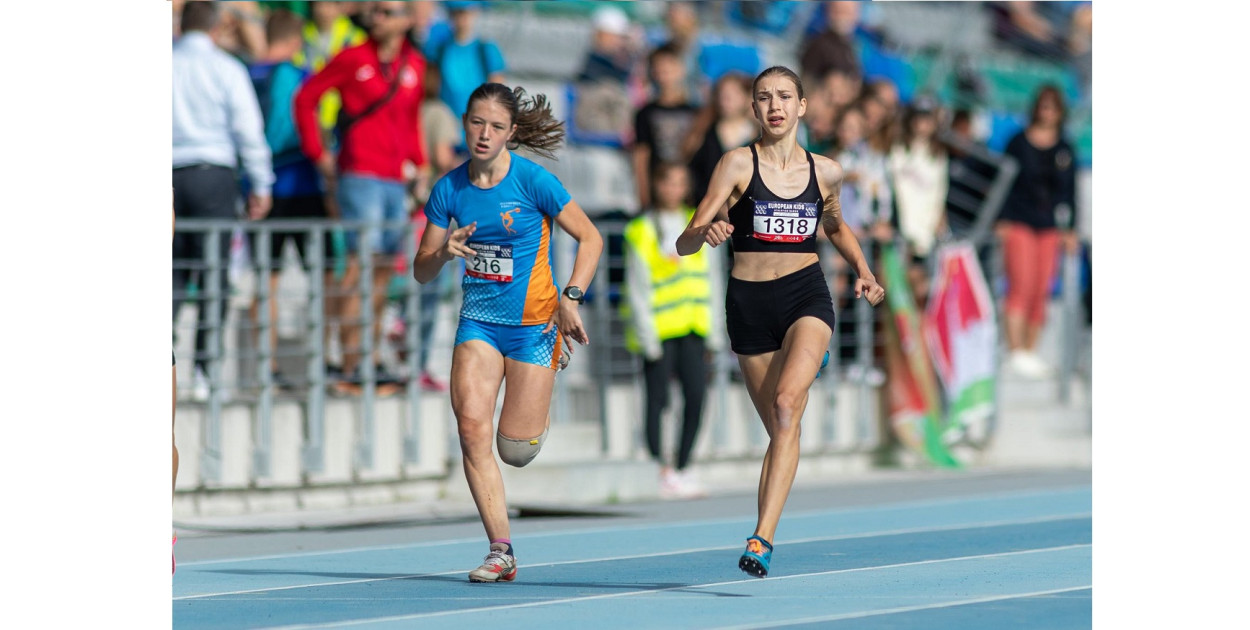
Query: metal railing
{"type": "Point", "coordinates": [261, 392]}
{"type": "Point", "coordinates": [582, 393]}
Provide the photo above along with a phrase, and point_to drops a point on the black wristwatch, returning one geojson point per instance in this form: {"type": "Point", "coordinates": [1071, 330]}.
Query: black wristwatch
{"type": "Point", "coordinates": [575, 294]}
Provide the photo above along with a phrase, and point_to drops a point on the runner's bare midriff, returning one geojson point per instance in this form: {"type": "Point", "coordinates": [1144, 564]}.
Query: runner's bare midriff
{"type": "Point", "coordinates": [762, 266]}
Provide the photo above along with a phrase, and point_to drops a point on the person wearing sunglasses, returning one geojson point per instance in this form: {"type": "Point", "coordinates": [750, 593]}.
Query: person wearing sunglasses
{"type": "Point", "coordinates": [380, 144]}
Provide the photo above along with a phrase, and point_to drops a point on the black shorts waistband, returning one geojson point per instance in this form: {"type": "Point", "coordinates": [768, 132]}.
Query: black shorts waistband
{"type": "Point", "coordinates": [801, 274]}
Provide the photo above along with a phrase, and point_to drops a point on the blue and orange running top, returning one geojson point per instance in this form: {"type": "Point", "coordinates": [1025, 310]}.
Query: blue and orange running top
{"type": "Point", "coordinates": [510, 279]}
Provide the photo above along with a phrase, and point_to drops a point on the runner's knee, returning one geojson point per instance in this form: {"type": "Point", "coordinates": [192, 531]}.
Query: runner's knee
{"type": "Point", "coordinates": [786, 408]}
{"type": "Point", "coordinates": [516, 452]}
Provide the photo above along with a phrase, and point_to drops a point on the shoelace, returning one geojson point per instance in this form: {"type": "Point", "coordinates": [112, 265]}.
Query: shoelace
{"type": "Point", "coordinates": [498, 557]}
{"type": "Point", "coordinates": [755, 547]}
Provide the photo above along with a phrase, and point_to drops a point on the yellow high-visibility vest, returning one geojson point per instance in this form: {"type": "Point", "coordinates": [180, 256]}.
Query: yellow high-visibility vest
{"type": "Point", "coordinates": [343, 34]}
{"type": "Point", "coordinates": [680, 290]}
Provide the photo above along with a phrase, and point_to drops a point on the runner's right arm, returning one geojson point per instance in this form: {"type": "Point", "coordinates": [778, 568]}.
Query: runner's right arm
{"type": "Point", "coordinates": [438, 246]}
{"type": "Point", "coordinates": [706, 226]}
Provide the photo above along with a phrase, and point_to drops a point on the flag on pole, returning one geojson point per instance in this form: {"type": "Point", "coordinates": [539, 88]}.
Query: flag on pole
{"type": "Point", "coordinates": [961, 333]}
{"type": "Point", "coordinates": [915, 403]}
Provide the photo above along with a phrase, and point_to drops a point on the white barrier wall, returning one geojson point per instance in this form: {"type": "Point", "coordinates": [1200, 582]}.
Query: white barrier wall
{"type": "Point", "coordinates": [573, 466]}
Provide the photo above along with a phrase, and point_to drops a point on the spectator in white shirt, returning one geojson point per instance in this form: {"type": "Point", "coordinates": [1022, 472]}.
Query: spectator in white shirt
{"type": "Point", "coordinates": [919, 167]}
{"type": "Point", "coordinates": [216, 124]}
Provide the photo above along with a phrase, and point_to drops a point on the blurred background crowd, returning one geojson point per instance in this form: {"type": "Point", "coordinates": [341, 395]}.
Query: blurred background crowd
{"type": "Point", "coordinates": [919, 102]}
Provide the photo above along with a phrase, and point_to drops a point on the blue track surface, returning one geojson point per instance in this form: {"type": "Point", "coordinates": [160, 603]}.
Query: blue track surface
{"type": "Point", "coordinates": [1014, 560]}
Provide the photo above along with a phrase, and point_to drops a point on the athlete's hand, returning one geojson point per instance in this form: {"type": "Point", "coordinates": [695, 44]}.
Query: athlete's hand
{"type": "Point", "coordinates": [868, 287]}
{"type": "Point", "coordinates": [717, 232]}
{"type": "Point", "coordinates": [455, 245]}
{"type": "Point", "coordinates": [569, 321]}
{"type": "Point", "coordinates": [258, 206]}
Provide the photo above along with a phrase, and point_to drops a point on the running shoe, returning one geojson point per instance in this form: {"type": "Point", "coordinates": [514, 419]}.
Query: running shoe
{"type": "Point", "coordinates": [755, 559]}
{"type": "Point", "coordinates": [823, 363]}
{"type": "Point", "coordinates": [172, 559]}
{"type": "Point", "coordinates": [498, 566]}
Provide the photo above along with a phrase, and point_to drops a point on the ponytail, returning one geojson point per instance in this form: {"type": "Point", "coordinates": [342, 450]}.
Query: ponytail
{"type": "Point", "coordinates": [536, 127]}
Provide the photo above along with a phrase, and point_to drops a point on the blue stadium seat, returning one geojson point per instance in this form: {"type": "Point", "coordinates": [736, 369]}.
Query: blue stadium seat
{"type": "Point", "coordinates": [772, 16]}
{"type": "Point", "coordinates": [718, 59]}
{"type": "Point", "coordinates": [879, 62]}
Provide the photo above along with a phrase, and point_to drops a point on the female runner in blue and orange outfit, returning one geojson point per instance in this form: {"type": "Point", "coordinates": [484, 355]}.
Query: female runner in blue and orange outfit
{"type": "Point", "coordinates": [778, 310]}
{"type": "Point", "coordinates": [514, 319]}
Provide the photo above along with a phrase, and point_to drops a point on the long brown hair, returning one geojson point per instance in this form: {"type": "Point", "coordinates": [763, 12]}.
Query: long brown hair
{"type": "Point", "coordinates": [705, 122]}
{"type": "Point", "coordinates": [536, 127]}
{"type": "Point", "coordinates": [1051, 91]}
{"type": "Point", "coordinates": [921, 106]}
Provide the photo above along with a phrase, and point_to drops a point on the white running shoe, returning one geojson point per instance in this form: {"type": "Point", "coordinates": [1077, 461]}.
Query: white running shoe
{"type": "Point", "coordinates": [498, 566]}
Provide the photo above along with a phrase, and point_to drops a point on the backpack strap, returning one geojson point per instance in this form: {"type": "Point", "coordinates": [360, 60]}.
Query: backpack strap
{"type": "Point", "coordinates": [346, 120]}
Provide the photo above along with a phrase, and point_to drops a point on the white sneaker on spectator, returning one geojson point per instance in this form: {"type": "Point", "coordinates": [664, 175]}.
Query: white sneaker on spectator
{"type": "Point", "coordinates": [857, 373]}
{"type": "Point", "coordinates": [1039, 364]}
{"type": "Point", "coordinates": [670, 484]}
{"type": "Point", "coordinates": [1027, 364]}
{"type": "Point", "coordinates": [853, 373]}
{"type": "Point", "coordinates": [875, 377]}
{"type": "Point", "coordinates": [199, 386]}
{"type": "Point", "coordinates": [689, 485]}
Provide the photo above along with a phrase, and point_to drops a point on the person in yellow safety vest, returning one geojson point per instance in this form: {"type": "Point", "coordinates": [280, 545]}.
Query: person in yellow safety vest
{"type": "Point", "coordinates": [674, 315]}
{"type": "Point", "coordinates": [328, 32]}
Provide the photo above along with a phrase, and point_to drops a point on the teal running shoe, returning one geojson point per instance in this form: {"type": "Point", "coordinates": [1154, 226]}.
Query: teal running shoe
{"type": "Point", "coordinates": [755, 559]}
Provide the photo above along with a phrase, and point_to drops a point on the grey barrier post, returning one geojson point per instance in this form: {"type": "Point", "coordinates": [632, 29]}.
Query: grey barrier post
{"type": "Point", "coordinates": [1070, 300]}
{"type": "Point", "coordinates": [210, 464]}
{"type": "Point", "coordinates": [604, 365]}
{"type": "Point", "coordinates": [829, 376]}
{"type": "Point", "coordinates": [415, 302]}
{"type": "Point", "coordinates": [364, 447]}
{"type": "Point", "coordinates": [863, 354]}
{"type": "Point", "coordinates": [263, 426]}
{"type": "Point", "coordinates": [314, 444]}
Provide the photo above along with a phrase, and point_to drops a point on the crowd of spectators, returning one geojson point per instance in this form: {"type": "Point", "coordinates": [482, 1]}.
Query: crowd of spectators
{"type": "Point", "coordinates": [673, 96]}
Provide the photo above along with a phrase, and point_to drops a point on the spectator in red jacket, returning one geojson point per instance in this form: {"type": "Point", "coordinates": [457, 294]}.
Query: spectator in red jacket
{"type": "Point", "coordinates": [379, 136]}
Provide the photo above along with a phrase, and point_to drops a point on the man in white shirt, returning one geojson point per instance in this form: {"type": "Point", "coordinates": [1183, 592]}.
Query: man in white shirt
{"type": "Point", "coordinates": [216, 124]}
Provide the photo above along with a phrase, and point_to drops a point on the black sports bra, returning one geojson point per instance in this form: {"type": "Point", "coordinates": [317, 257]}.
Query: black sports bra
{"type": "Point", "coordinates": [764, 222]}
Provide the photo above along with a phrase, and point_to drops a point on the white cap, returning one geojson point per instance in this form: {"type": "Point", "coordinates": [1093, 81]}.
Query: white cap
{"type": "Point", "coordinates": [611, 20]}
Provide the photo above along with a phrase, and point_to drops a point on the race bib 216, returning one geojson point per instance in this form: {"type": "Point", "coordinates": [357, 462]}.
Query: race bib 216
{"type": "Point", "coordinates": [492, 262]}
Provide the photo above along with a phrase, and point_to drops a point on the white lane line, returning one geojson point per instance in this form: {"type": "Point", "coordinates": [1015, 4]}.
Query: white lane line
{"type": "Point", "coordinates": [331, 552]}
{"type": "Point", "coordinates": [989, 496]}
{"type": "Point", "coordinates": [905, 609]}
{"type": "Point", "coordinates": [569, 600]}
{"type": "Point", "coordinates": [890, 532]}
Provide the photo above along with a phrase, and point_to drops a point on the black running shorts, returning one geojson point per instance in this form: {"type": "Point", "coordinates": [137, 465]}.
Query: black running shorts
{"type": "Point", "coordinates": [758, 314]}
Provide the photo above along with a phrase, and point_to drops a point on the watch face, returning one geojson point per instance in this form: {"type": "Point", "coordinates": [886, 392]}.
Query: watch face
{"type": "Point", "coordinates": [573, 293]}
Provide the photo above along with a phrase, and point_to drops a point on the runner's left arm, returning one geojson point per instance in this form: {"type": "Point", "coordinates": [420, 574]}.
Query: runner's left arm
{"type": "Point", "coordinates": [573, 220]}
{"type": "Point", "coordinates": [838, 233]}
